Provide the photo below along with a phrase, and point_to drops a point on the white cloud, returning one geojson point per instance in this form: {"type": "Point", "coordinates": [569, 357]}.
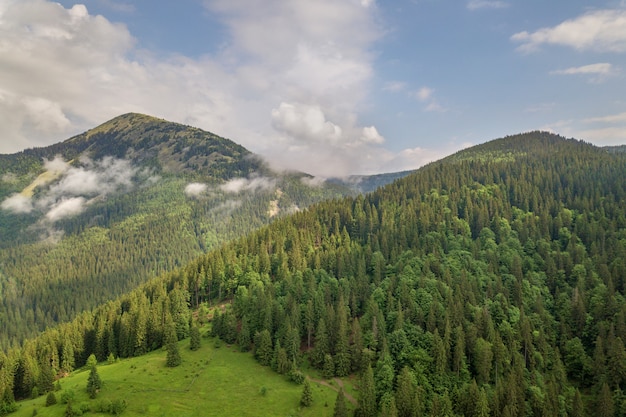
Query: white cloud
{"type": "Point", "coordinates": [598, 30]}
{"type": "Point", "coordinates": [64, 70]}
{"type": "Point", "coordinates": [424, 93]}
{"type": "Point", "coordinates": [17, 203]}
{"type": "Point", "coordinates": [237, 185]}
{"type": "Point", "coordinates": [394, 86]}
{"type": "Point", "coordinates": [486, 4]}
{"type": "Point", "coordinates": [601, 68]}
{"type": "Point", "coordinates": [613, 118]}
{"type": "Point", "coordinates": [73, 186]}
{"type": "Point", "coordinates": [56, 165]}
{"type": "Point", "coordinates": [96, 178]}
{"type": "Point", "coordinates": [599, 72]}
{"type": "Point", "coordinates": [288, 82]}
{"type": "Point", "coordinates": [195, 189]}
{"type": "Point", "coordinates": [65, 208]}
{"type": "Point", "coordinates": [313, 181]}
{"type": "Point", "coordinates": [304, 122]}
{"type": "Point", "coordinates": [371, 135]}
{"type": "Point", "coordinates": [605, 136]}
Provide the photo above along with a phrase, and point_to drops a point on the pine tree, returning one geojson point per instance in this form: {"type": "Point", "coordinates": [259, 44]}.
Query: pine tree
{"type": "Point", "coordinates": [51, 399]}
{"type": "Point", "coordinates": [578, 408]}
{"type": "Point", "coordinates": [243, 339]}
{"type": "Point", "coordinates": [172, 358]}
{"type": "Point", "coordinates": [340, 409]}
{"type": "Point", "coordinates": [405, 393]}
{"type": "Point", "coordinates": [307, 395]}
{"type": "Point", "coordinates": [194, 335]}
{"type": "Point", "coordinates": [321, 347]}
{"type": "Point", "coordinates": [93, 382]}
{"type": "Point", "coordinates": [329, 367]}
{"type": "Point", "coordinates": [263, 347]}
{"type": "Point", "coordinates": [366, 406]}
{"type": "Point", "coordinates": [605, 402]}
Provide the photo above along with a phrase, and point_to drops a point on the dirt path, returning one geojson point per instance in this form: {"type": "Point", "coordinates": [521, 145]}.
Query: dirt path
{"type": "Point", "coordinates": [340, 383]}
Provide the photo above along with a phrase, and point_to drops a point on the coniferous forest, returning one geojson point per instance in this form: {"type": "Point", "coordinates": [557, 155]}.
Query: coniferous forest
{"type": "Point", "coordinates": [490, 283]}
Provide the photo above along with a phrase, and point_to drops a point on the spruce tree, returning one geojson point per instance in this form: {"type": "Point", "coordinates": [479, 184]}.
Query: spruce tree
{"type": "Point", "coordinates": [366, 406]}
{"type": "Point", "coordinates": [173, 358]}
{"type": "Point", "coordinates": [307, 395]}
{"type": "Point", "coordinates": [51, 399]}
{"type": "Point", "coordinates": [340, 409]}
{"type": "Point", "coordinates": [194, 338]}
{"type": "Point", "coordinates": [93, 382]}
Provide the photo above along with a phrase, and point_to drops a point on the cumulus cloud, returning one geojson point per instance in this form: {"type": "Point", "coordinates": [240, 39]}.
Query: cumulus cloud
{"type": "Point", "coordinates": [195, 189]}
{"type": "Point", "coordinates": [598, 30]}
{"type": "Point", "coordinates": [305, 122]}
{"type": "Point", "coordinates": [370, 135]}
{"type": "Point", "coordinates": [237, 185]}
{"type": "Point", "coordinates": [65, 208]}
{"type": "Point", "coordinates": [17, 203]}
{"type": "Point", "coordinates": [288, 93]}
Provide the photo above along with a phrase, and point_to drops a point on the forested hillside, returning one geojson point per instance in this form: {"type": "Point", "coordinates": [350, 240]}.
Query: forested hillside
{"type": "Point", "coordinates": [88, 219]}
{"type": "Point", "coordinates": [489, 283]}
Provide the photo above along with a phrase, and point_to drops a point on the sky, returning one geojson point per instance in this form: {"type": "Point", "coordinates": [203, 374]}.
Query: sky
{"type": "Point", "coordinates": [329, 87]}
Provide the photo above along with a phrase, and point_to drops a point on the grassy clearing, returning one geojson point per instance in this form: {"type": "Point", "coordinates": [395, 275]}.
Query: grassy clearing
{"type": "Point", "coordinates": [210, 382]}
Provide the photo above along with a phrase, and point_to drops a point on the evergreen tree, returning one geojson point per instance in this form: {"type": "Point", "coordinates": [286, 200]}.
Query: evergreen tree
{"type": "Point", "coordinates": [194, 335]}
{"type": "Point", "coordinates": [263, 347]}
{"type": "Point", "coordinates": [340, 409]}
{"type": "Point", "coordinates": [51, 399]}
{"type": "Point", "coordinates": [606, 406]}
{"type": "Point", "coordinates": [93, 382]}
{"type": "Point", "coordinates": [405, 393]}
{"type": "Point", "coordinates": [366, 406]}
{"type": "Point", "coordinates": [173, 357]}
{"type": "Point", "coordinates": [329, 367]}
{"type": "Point", "coordinates": [578, 408]}
{"type": "Point", "coordinates": [307, 394]}
{"type": "Point", "coordinates": [243, 338]}
{"type": "Point", "coordinates": [321, 347]}
{"type": "Point", "coordinates": [388, 406]}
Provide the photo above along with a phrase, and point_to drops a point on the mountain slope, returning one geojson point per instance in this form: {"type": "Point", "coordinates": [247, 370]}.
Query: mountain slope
{"type": "Point", "coordinates": [88, 219]}
{"type": "Point", "coordinates": [491, 282]}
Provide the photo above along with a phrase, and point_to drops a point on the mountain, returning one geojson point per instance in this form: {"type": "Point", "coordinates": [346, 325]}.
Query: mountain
{"type": "Point", "coordinates": [90, 218]}
{"type": "Point", "coordinates": [488, 283]}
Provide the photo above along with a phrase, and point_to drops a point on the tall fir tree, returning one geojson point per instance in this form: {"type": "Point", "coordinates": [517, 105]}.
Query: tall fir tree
{"type": "Point", "coordinates": [194, 337]}
{"type": "Point", "coordinates": [173, 357]}
{"type": "Point", "coordinates": [366, 406]}
{"type": "Point", "coordinates": [94, 384]}
{"type": "Point", "coordinates": [307, 394]}
{"type": "Point", "coordinates": [340, 410]}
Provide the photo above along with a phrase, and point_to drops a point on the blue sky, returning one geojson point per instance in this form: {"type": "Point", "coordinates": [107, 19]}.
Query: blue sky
{"type": "Point", "coordinates": [331, 87]}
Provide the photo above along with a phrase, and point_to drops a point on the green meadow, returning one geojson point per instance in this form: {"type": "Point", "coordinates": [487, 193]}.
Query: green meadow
{"type": "Point", "coordinates": [216, 380]}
